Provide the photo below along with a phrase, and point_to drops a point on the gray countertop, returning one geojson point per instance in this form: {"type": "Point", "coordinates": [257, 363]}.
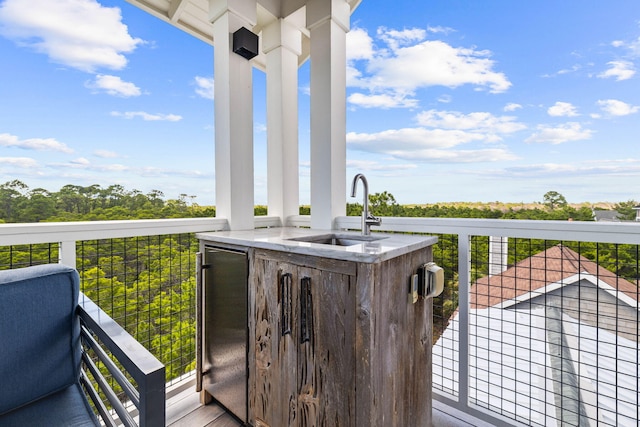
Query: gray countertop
{"type": "Point", "coordinates": [381, 247]}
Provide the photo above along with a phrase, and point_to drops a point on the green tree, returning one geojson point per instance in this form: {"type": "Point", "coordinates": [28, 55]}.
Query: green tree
{"type": "Point", "coordinates": [69, 198]}
{"type": "Point", "coordinates": [626, 210]}
{"type": "Point", "coordinates": [12, 197]}
{"type": "Point", "coordinates": [114, 194]}
{"type": "Point", "coordinates": [384, 204]}
{"type": "Point", "coordinates": [381, 204]}
{"type": "Point", "coordinates": [155, 197]}
{"type": "Point", "coordinates": [40, 206]}
{"type": "Point", "coordinates": [553, 200]}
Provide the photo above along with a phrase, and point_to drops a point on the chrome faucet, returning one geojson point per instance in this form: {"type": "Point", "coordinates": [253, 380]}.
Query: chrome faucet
{"type": "Point", "coordinates": [367, 219]}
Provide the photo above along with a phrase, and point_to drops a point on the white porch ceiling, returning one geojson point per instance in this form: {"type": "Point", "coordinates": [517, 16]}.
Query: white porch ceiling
{"type": "Point", "coordinates": [192, 16]}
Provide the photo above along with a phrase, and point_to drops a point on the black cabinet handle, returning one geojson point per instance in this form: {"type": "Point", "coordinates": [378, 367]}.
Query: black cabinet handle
{"type": "Point", "coordinates": [285, 303]}
{"type": "Point", "coordinates": [306, 310]}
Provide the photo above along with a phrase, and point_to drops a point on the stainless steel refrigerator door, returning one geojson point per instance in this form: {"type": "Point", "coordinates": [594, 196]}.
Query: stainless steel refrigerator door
{"type": "Point", "coordinates": [225, 329]}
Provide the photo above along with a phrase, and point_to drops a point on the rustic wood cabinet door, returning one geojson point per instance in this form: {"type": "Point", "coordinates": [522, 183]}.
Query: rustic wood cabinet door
{"type": "Point", "coordinates": [304, 345]}
{"type": "Point", "coordinates": [272, 387]}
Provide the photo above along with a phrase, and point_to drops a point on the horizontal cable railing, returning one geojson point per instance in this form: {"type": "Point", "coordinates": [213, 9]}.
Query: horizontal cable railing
{"type": "Point", "coordinates": [140, 272]}
{"type": "Point", "coordinates": [543, 331]}
{"type": "Point", "coordinates": [544, 328]}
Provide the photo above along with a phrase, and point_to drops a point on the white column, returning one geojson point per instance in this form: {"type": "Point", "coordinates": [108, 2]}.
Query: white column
{"type": "Point", "coordinates": [233, 93]}
{"type": "Point", "coordinates": [498, 254]}
{"type": "Point", "coordinates": [67, 253]}
{"type": "Point", "coordinates": [328, 22]}
{"type": "Point", "coordinates": [282, 44]}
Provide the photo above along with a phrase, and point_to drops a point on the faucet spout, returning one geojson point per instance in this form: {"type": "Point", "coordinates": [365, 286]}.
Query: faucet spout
{"type": "Point", "coordinates": [367, 219]}
{"type": "Point", "coordinates": [354, 185]}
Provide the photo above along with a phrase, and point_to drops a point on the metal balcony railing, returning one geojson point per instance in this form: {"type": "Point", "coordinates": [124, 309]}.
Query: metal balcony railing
{"type": "Point", "coordinates": [538, 324]}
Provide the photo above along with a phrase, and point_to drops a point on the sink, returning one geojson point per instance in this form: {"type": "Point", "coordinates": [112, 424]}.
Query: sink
{"type": "Point", "coordinates": [335, 239]}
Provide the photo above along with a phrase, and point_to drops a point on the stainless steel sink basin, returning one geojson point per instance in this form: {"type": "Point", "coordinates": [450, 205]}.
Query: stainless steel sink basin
{"type": "Point", "coordinates": [337, 239]}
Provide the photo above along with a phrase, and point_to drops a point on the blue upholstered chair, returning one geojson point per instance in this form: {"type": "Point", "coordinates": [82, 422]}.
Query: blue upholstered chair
{"type": "Point", "coordinates": [46, 334]}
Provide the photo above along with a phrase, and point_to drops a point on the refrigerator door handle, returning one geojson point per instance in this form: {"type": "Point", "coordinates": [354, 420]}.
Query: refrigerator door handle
{"type": "Point", "coordinates": [199, 319]}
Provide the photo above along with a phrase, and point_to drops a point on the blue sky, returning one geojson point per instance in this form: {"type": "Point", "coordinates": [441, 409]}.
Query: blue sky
{"type": "Point", "coordinates": [447, 100]}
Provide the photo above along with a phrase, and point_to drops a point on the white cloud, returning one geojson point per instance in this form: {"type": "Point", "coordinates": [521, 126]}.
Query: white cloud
{"type": "Point", "coordinates": [420, 144]}
{"type": "Point", "coordinates": [438, 136]}
{"type": "Point", "coordinates": [620, 70]}
{"type": "Point", "coordinates": [20, 162]}
{"type": "Point", "coordinates": [434, 63]}
{"type": "Point", "coordinates": [353, 78]}
{"type": "Point", "coordinates": [512, 106]}
{"type": "Point", "coordinates": [38, 144]}
{"type": "Point", "coordinates": [632, 46]}
{"type": "Point", "coordinates": [84, 164]}
{"type": "Point", "coordinates": [614, 167]}
{"type": "Point", "coordinates": [562, 109]}
{"type": "Point", "coordinates": [383, 101]}
{"type": "Point", "coordinates": [114, 85]}
{"type": "Point", "coordinates": [426, 146]}
{"type": "Point", "coordinates": [407, 62]}
{"type": "Point", "coordinates": [613, 107]}
{"type": "Point", "coordinates": [204, 87]}
{"type": "Point", "coordinates": [359, 45]}
{"type": "Point", "coordinates": [571, 131]}
{"type": "Point", "coordinates": [464, 156]}
{"type": "Point", "coordinates": [478, 122]}
{"type": "Point", "coordinates": [409, 139]}
{"type": "Point", "coordinates": [142, 171]}
{"type": "Point", "coordinates": [395, 39]}
{"type": "Point", "coordinates": [81, 34]}
{"type": "Point", "coordinates": [573, 69]}
{"type": "Point", "coordinates": [80, 161]}
{"type": "Point", "coordinates": [147, 116]}
{"type": "Point", "coordinates": [440, 29]}
{"type": "Point", "coordinates": [106, 154]}
{"type": "Point", "coordinates": [370, 165]}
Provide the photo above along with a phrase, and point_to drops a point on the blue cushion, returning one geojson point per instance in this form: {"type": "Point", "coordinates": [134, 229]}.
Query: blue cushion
{"type": "Point", "coordinates": [39, 333]}
{"type": "Point", "coordinates": [64, 408]}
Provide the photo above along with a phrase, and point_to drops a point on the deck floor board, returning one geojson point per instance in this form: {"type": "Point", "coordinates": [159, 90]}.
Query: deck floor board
{"type": "Point", "coordinates": [185, 410]}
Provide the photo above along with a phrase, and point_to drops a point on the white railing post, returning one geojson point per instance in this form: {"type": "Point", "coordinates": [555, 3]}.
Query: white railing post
{"type": "Point", "coordinates": [67, 253]}
{"type": "Point", "coordinates": [464, 285]}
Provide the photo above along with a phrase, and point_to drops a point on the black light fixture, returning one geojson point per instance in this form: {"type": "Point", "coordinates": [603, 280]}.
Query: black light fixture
{"type": "Point", "coordinates": [245, 43]}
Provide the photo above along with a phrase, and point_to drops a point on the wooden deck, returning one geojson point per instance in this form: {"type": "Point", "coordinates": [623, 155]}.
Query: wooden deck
{"type": "Point", "coordinates": [184, 410]}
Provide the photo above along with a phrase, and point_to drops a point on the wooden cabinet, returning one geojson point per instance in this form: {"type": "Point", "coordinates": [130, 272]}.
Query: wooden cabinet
{"type": "Point", "coordinates": [337, 343]}
{"type": "Point", "coordinates": [303, 342]}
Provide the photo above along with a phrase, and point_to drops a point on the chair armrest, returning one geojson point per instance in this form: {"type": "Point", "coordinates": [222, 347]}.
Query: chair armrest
{"type": "Point", "coordinates": [147, 371]}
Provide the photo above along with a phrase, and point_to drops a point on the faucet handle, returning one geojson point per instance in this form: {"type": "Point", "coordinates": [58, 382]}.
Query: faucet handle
{"type": "Point", "coordinates": [372, 220]}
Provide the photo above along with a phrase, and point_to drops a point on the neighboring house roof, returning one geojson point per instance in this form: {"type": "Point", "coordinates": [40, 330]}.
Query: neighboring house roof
{"type": "Point", "coordinates": [556, 265]}
{"type": "Point", "coordinates": [606, 216]}
{"type": "Point", "coordinates": [553, 341]}
{"type": "Point", "coordinates": [543, 368]}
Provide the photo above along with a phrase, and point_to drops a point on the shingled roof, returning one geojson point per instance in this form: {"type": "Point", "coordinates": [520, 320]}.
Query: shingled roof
{"type": "Point", "coordinates": [553, 265]}
{"type": "Point", "coordinates": [552, 340]}
{"type": "Point", "coordinates": [606, 216]}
